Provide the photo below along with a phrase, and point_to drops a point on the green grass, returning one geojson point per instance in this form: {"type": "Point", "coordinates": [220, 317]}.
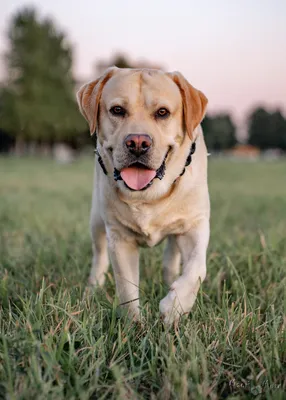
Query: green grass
{"type": "Point", "coordinates": [54, 345]}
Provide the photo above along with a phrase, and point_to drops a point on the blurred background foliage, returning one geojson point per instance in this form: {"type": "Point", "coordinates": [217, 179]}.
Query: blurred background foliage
{"type": "Point", "coordinates": [37, 99]}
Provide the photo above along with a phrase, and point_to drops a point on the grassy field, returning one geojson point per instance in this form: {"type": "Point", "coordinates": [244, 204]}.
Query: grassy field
{"type": "Point", "coordinates": [54, 345]}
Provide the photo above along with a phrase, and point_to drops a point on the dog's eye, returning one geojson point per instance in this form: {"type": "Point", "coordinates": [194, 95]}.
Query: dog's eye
{"type": "Point", "coordinates": [117, 110]}
{"type": "Point", "coordinates": [162, 113]}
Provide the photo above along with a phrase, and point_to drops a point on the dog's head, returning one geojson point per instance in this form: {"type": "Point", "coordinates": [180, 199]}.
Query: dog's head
{"type": "Point", "coordinates": [145, 121]}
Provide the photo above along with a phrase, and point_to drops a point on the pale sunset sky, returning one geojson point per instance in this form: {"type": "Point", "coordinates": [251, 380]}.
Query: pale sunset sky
{"type": "Point", "coordinates": [233, 50]}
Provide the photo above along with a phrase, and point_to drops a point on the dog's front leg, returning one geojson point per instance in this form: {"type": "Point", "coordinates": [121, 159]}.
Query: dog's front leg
{"type": "Point", "coordinates": [183, 291]}
{"type": "Point", "coordinates": [124, 255]}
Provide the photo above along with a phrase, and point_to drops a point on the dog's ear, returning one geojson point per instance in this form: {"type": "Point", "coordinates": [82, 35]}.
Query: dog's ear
{"type": "Point", "coordinates": [194, 103]}
{"type": "Point", "coordinates": [88, 98]}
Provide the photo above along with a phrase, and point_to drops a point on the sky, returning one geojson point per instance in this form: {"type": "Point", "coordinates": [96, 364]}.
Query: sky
{"type": "Point", "coordinates": [232, 50]}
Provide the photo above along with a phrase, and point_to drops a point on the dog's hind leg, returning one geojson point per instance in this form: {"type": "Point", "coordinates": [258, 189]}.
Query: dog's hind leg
{"type": "Point", "coordinates": [171, 260]}
{"type": "Point", "coordinates": [100, 261]}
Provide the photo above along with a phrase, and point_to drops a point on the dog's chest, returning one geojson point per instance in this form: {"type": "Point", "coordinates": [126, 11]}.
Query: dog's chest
{"type": "Point", "coordinates": [152, 227]}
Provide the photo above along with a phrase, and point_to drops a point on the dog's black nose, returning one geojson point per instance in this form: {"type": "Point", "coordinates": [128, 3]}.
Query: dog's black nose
{"type": "Point", "coordinates": [138, 144]}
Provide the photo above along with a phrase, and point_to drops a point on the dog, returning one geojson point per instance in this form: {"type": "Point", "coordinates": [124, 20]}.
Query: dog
{"type": "Point", "coordinates": [150, 182]}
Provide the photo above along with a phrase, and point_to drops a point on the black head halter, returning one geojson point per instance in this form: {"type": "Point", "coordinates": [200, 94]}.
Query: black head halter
{"type": "Point", "coordinates": [189, 158]}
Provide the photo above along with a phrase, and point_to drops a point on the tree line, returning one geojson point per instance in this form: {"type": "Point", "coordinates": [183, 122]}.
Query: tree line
{"type": "Point", "coordinates": [37, 99]}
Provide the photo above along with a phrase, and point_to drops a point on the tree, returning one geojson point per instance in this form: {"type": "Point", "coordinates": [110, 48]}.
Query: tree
{"type": "Point", "coordinates": [278, 126]}
{"type": "Point", "coordinates": [219, 132]}
{"type": "Point", "coordinates": [6, 140]}
{"type": "Point", "coordinates": [39, 99]}
{"type": "Point", "coordinates": [267, 130]}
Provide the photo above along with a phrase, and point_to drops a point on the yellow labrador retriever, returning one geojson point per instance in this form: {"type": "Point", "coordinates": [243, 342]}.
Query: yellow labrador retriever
{"type": "Point", "coordinates": [150, 182]}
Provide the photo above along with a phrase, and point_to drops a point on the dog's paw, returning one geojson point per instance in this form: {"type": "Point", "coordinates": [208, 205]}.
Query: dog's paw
{"type": "Point", "coordinates": [178, 301]}
{"type": "Point", "coordinates": [88, 292]}
{"type": "Point", "coordinates": [169, 310]}
{"type": "Point", "coordinates": [131, 313]}
{"type": "Point", "coordinates": [96, 281]}
{"type": "Point", "coordinates": [92, 289]}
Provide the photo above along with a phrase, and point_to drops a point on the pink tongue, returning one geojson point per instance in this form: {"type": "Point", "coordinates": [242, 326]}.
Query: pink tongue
{"type": "Point", "coordinates": [137, 178]}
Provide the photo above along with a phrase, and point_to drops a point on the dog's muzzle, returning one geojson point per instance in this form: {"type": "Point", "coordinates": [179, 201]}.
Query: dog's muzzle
{"type": "Point", "coordinates": [160, 173]}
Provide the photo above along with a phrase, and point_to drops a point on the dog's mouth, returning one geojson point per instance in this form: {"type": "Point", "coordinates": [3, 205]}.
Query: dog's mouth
{"type": "Point", "coordinates": [138, 176]}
